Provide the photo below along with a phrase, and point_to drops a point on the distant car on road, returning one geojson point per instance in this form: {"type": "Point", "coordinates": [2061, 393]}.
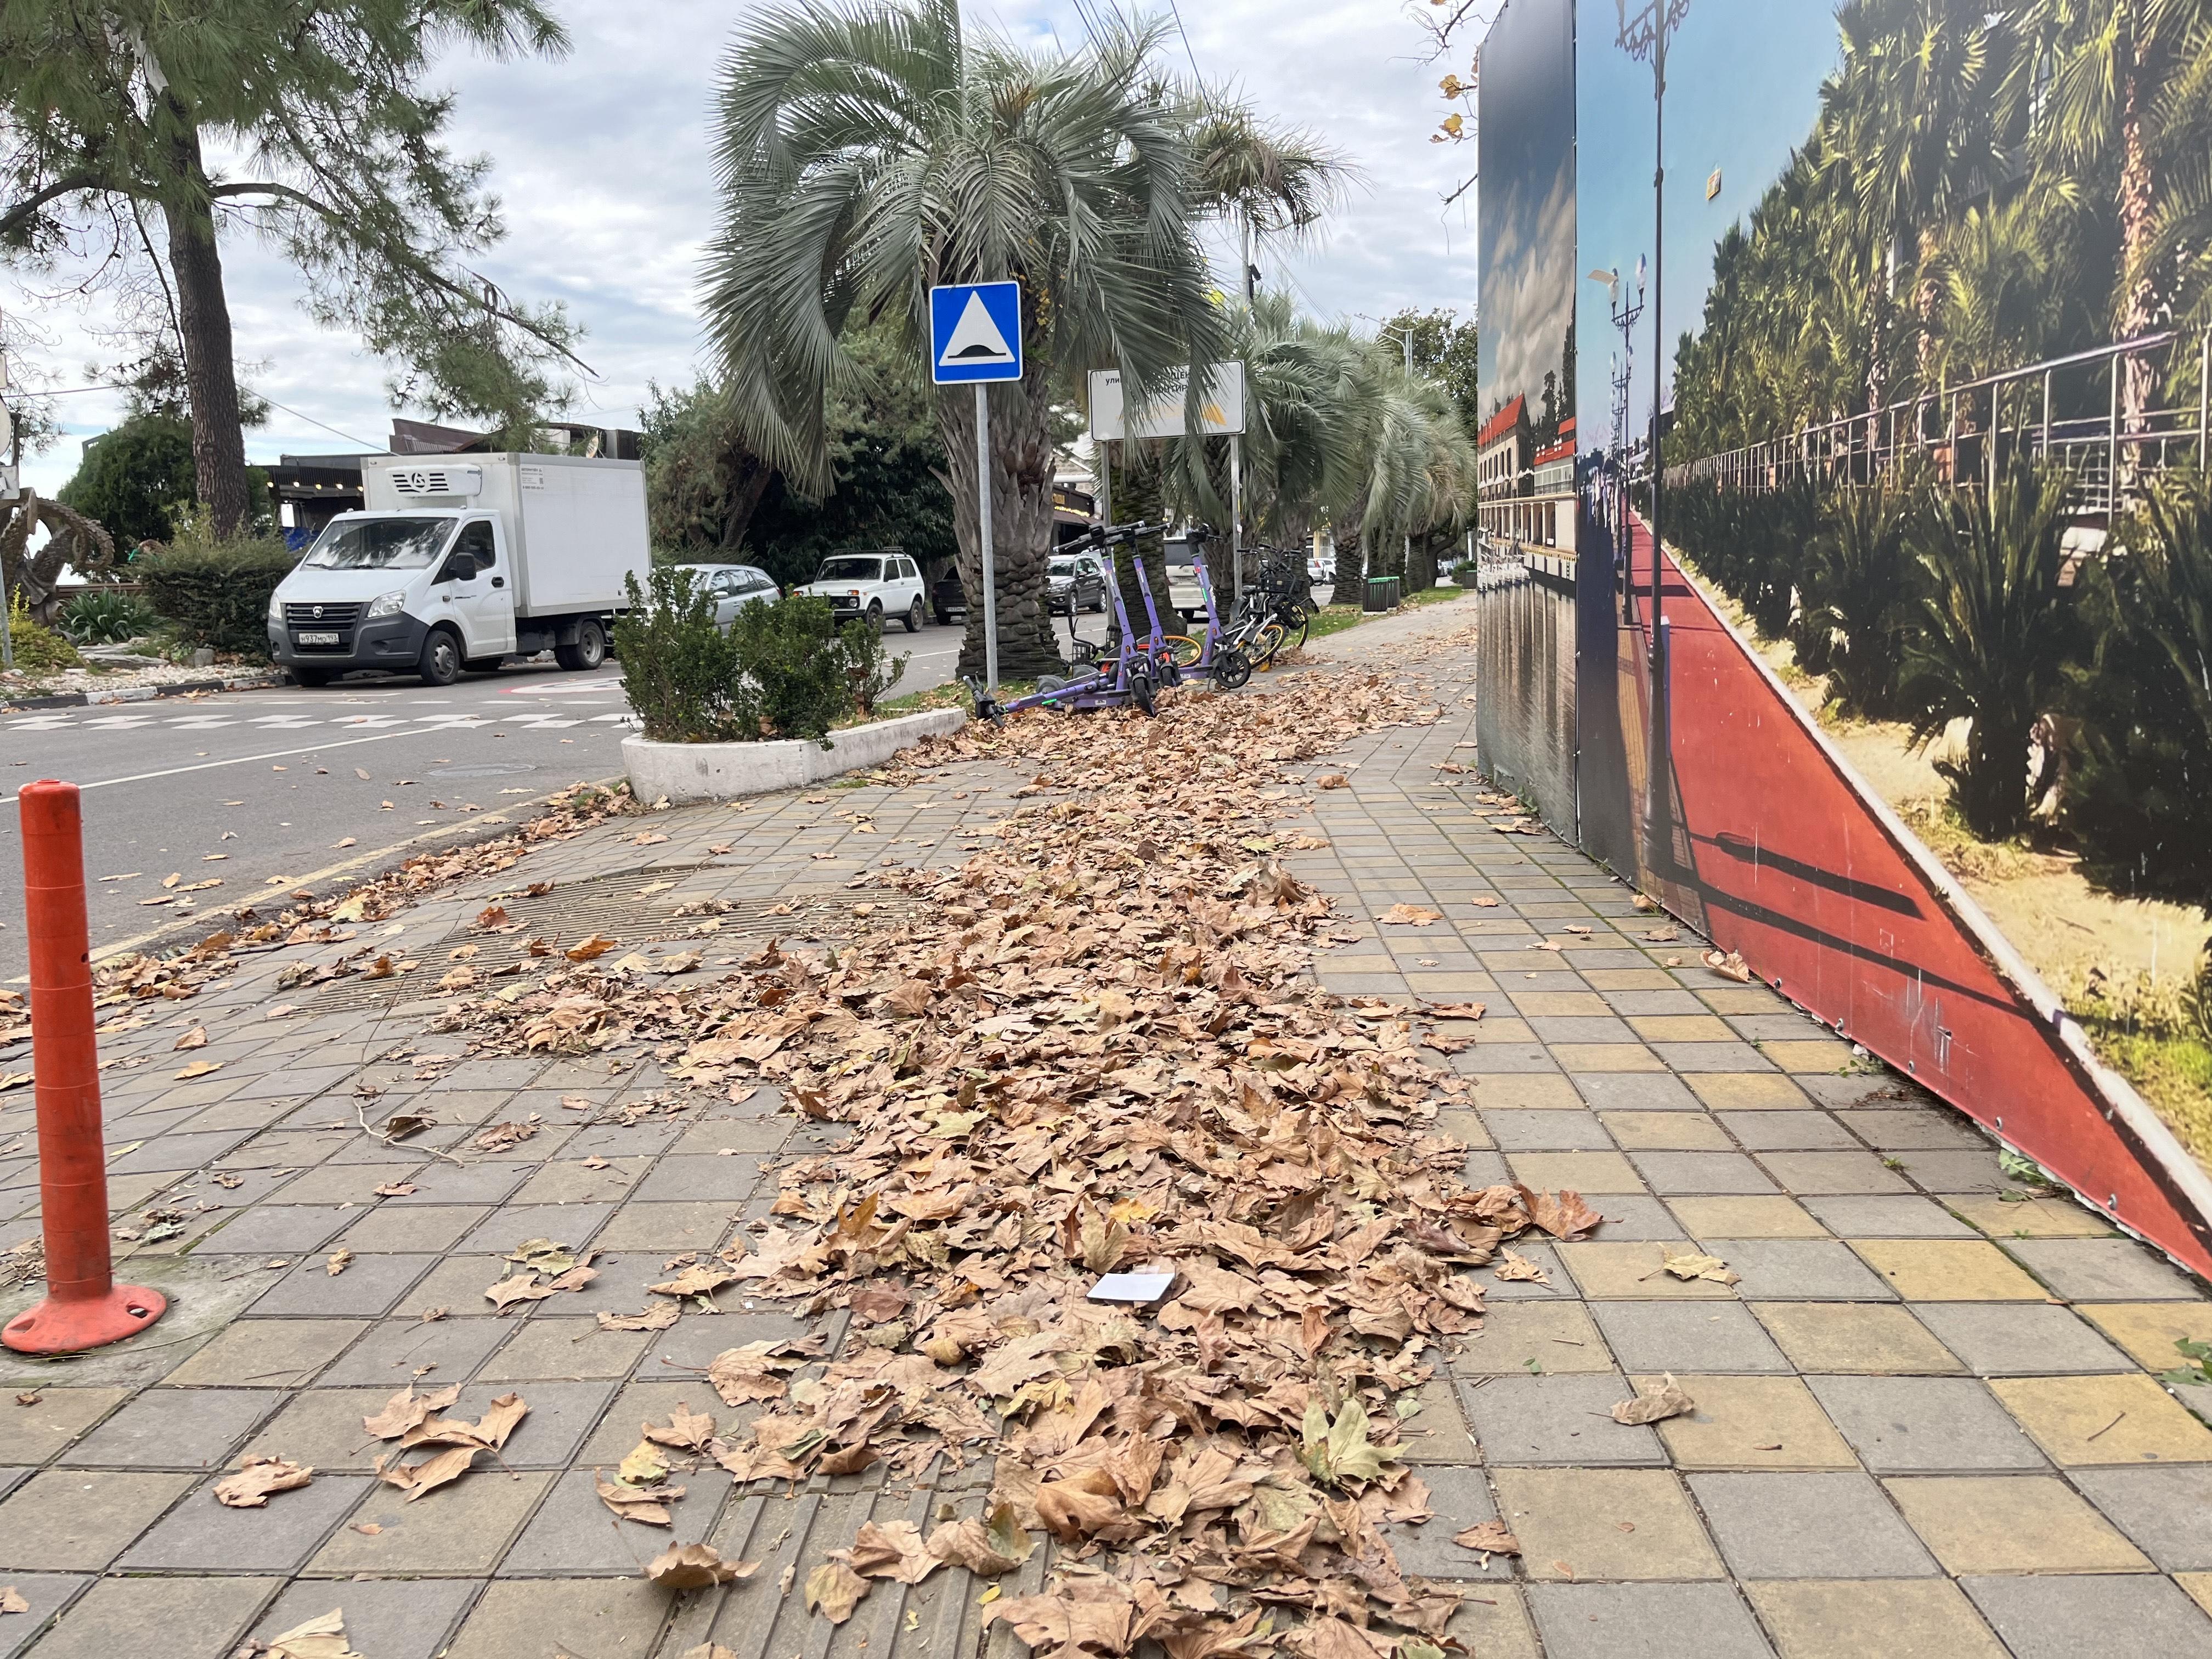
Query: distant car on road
{"type": "Point", "coordinates": [877, 586]}
{"type": "Point", "coordinates": [947, 599]}
{"type": "Point", "coordinates": [732, 587]}
{"type": "Point", "coordinates": [1075, 581]}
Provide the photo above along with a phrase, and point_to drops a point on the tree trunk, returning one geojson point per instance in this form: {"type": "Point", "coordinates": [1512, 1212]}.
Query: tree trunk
{"type": "Point", "coordinates": [743, 501]}
{"type": "Point", "coordinates": [2136, 202]}
{"type": "Point", "coordinates": [203, 320]}
{"type": "Point", "coordinates": [1021, 520]}
{"type": "Point", "coordinates": [1139, 495]}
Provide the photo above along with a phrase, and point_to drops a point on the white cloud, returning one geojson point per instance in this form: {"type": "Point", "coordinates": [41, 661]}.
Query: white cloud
{"type": "Point", "coordinates": [1529, 295]}
{"type": "Point", "coordinates": [602, 163]}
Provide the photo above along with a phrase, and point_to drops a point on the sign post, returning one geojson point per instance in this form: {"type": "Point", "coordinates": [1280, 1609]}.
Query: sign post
{"type": "Point", "coordinates": [975, 338]}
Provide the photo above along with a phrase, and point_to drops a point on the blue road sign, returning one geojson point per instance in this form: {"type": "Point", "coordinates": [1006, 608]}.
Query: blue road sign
{"type": "Point", "coordinates": [975, 332]}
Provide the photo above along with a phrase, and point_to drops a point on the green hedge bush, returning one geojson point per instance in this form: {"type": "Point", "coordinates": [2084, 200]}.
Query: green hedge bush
{"type": "Point", "coordinates": [217, 593]}
{"type": "Point", "coordinates": [783, 670]}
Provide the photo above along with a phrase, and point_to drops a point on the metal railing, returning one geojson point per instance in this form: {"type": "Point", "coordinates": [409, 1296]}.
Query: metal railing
{"type": "Point", "coordinates": [2068, 410]}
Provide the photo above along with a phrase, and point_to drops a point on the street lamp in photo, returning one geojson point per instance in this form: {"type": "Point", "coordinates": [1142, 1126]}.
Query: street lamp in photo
{"type": "Point", "coordinates": [1626, 313]}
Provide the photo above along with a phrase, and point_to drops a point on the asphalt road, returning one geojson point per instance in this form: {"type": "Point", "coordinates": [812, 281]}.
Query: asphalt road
{"type": "Point", "coordinates": [251, 792]}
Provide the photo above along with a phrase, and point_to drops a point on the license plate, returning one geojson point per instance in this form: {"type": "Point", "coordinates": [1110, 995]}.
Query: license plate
{"type": "Point", "coordinates": [316, 639]}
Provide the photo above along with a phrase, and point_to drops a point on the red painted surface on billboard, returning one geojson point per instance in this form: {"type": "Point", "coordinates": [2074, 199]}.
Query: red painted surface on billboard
{"type": "Point", "coordinates": [1780, 853]}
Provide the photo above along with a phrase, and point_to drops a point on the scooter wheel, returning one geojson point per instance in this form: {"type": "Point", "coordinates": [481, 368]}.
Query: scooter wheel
{"type": "Point", "coordinates": [1049, 682]}
{"type": "Point", "coordinates": [1231, 668]}
{"type": "Point", "coordinates": [1140, 692]}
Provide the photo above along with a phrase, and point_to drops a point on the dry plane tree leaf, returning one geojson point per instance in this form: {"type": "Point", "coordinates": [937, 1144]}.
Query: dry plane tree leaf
{"type": "Point", "coordinates": [416, 1478]}
{"type": "Point", "coordinates": [195, 1038]}
{"type": "Point", "coordinates": [696, 1566]}
{"type": "Point", "coordinates": [1516, 1266]}
{"type": "Point", "coordinates": [656, 1318]}
{"type": "Point", "coordinates": [408, 1410]}
{"type": "Point", "coordinates": [1730, 965]}
{"type": "Point", "coordinates": [986, 1548]}
{"type": "Point", "coordinates": [590, 949]}
{"type": "Point", "coordinates": [1695, 1266]}
{"type": "Point", "coordinates": [339, 1260]}
{"type": "Point", "coordinates": [1492, 1537]}
{"type": "Point", "coordinates": [199, 1068]}
{"type": "Point", "coordinates": [324, 1638]}
{"type": "Point", "coordinates": [834, 1589]}
{"type": "Point", "coordinates": [11, 1599]}
{"type": "Point", "coordinates": [1563, 1214]}
{"type": "Point", "coordinates": [893, 1549]}
{"type": "Point", "coordinates": [1410, 915]}
{"type": "Point", "coordinates": [1653, 1404]}
{"type": "Point", "coordinates": [686, 1430]}
{"type": "Point", "coordinates": [257, 1478]}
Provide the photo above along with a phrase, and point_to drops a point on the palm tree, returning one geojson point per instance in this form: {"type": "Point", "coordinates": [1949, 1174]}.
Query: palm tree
{"type": "Point", "coordinates": [872, 148]}
{"type": "Point", "coordinates": [1856, 583]}
{"type": "Point", "coordinates": [1995, 628]}
{"type": "Point", "coordinates": [2119, 88]}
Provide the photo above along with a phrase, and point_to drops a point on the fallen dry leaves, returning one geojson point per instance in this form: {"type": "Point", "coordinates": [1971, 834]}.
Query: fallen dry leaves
{"type": "Point", "coordinates": [696, 1566]}
{"type": "Point", "coordinates": [257, 1478]}
{"type": "Point", "coordinates": [459, 1442]}
{"type": "Point", "coordinates": [1654, 1403]}
{"type": "Point", "coordinates": [1093, 1048]}
{"type": "Point", "coordinates": [324, 1638]}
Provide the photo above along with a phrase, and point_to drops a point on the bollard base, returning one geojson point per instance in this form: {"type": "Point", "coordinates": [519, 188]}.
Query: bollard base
{"type": "Point", "coordinates": [54, 1326]}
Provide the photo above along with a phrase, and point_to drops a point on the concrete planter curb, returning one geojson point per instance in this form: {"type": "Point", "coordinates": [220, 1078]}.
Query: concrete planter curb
{"type": "Point", "coordinates": [681, 773]}
{"type": "Point", "coordinates": [252, 681]}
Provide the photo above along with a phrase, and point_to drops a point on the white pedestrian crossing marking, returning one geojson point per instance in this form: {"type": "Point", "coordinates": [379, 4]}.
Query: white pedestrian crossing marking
{"type": "Point", "coordinates": [121, 721]}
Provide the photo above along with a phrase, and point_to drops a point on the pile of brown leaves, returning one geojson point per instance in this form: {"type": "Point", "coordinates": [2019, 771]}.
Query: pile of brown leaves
{"type": "Point", "coordinates": [1094, 1049]}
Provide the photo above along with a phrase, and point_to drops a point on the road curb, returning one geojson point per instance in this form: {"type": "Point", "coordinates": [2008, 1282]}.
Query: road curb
{"type": "Point", "coordinates": [138, 693]}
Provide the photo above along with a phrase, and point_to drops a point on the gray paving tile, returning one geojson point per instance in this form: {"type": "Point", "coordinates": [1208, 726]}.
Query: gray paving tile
{"type": "Point", "coordinates": [2165, 1509]}
{"type": "Point", "coordinates": [392, 1351]}
{"type": "Point", "coordinates": [45, 1595]}
{"type": "Point", "coordinates": [1784, 1132]}
{"type": "Point", "coordinates": [2101, 1269]}
{"type": "Point", "coordinates": [1832, 1172]}
{"type": "Point", "coordinates": [1461, 1497]}
{"type": "Point", "coordinates": [2019, 1339]}
{"type": "Point", "coordinates": [175, 1429]}
{"type": "Point", "coordinates": [1799, 1270]}
{"type": "Point", "coordinates": [1546, 1131]}
{"type": "Point", "coordinates": [573, 1533]}
{"type": "Point", "coordinates": [368, 1286]}
{"type": "Point", "coordinates": [1924, 1424]}
{"type": "Point", "coordinates": [279, 1229]}
{"type": "Point", "coordinates": [1687, 1337]}
{"type": "Point", "coordinates": [1858, 1215]}
{"type": "Point", "coordinates": [140, 1617]}
{"type": "Point", "coordinates": [1635, 1091]}
{"type": "Point", "coordinates": [1808, 1525]}
{"type": "Point", "coordinates": [1633, 1217]}
{"type": "Point", "coordinates": [1915, 1129]}
{"type": "Point", "coordinates": [388, 1619]}
{"type": "Point", "coordinates": [1564, 1419]}
{"type": "Point", "coordinates": [1647, 1621]}
{"type": "Point", "coordinates": [200, 1534]}
{"type": "Point", "coordinates": [2120, 1616]}
{"type": "Point", "coordinates": [1679, 1174]}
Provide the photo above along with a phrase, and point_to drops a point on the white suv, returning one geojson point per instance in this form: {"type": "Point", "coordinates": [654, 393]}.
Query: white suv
{"type": "Point", "coordinates": [877, 586]}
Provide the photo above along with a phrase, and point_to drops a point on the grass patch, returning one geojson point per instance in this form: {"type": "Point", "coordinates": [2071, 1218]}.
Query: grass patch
{"type": "Point", "coordinates": [1438, 596]}
{"type": "Point", "coordinates": [2159, 1037]}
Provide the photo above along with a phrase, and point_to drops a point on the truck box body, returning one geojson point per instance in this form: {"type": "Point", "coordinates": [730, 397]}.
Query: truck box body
{"type": "Point", "coordinates": [576, 525]}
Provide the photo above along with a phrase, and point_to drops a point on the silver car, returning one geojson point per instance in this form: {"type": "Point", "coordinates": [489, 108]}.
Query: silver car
{"type": "Point", "coordinates": [732, 587]}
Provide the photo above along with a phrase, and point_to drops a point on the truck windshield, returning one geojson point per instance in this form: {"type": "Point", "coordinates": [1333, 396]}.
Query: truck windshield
{"type": "Point", "coordinates": [378, 543]}
{"type": "Point", "coordinates": [851, 570]}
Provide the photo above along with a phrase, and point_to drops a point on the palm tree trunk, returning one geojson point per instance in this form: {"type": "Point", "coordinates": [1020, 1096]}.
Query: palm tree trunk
{"type": "Point", "coordinates": [1140, 497]}
{"type": "Point", "coordinates": [2136, 202]}
{"type": "Point", "coordinates": [1021, 521]}
{"type": "Point", "coordinates": [203, 322]}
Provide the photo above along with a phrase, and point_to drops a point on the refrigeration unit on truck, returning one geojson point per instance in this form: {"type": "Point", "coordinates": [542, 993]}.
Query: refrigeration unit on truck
{"type": "Point", "coordinates": [459, 562]}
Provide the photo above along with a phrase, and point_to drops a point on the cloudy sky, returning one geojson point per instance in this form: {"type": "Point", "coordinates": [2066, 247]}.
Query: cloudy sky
{"type": "Point", "coordinates": [601, 160]}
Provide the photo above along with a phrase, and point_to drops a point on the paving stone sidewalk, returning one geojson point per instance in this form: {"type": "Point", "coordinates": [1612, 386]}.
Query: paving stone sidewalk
{"type": "Point", "coordinates": [1928, 1422]}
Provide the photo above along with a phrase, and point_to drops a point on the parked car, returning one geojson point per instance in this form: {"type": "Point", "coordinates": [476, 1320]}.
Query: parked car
{"type": "Point", "coordinates": [877, 586]}
{"type": "Point", "coordinates": [732, 587]}
{"type": "Point", "coordinates": [1075, 581]}
{"type": "Point", "coordinates": [1183, 578]}
{"type": "Point", "coordinates": [948, 598]}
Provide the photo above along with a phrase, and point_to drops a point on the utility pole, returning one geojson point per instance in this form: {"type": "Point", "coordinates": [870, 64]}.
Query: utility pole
{"type": "Point", "coordinates": [12, 435]}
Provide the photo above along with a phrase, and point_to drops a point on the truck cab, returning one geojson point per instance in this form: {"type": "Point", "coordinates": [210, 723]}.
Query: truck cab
{"type": "Point", "coordinates": [458, 567]}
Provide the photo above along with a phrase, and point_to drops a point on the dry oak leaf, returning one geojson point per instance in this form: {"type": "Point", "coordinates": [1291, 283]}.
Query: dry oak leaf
{"type": "Point", "coordinates": [893, 1549]}
{"type": "Point", "coordinates": [1562, 1214]}
{"type": "Point", "coordinates": [1730, 966]}
{"type": "Point", "coordinates": [696, 1566]}
{"type": "Point", "coordinates": [1492, 1537]}
{"type": "Point", "coordinates": [834, 1589]}
{"type": "Point", "coordinates": [1653, 1404]}
{"type": "Point", "coordinates": [317, 1638]}
{"type": "Point", "coordinates": [686, 1430]}
{"type": "Point", "coordinates": [1410, 915]}
{"type": "Point", "coordinates": [257, 1478]}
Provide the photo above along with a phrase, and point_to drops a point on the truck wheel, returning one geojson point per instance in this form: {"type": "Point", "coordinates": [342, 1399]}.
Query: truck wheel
{"type": "Point", "coordinates": [944, 617]}
{"type": "Point", "coordinates": [310, 677]}
{"type": "Point", "coordinates": [914, 617]}
{"type": "Point", "coordinates": [590, 649]}
{"type": "Point", "coordinates": [441, 659]}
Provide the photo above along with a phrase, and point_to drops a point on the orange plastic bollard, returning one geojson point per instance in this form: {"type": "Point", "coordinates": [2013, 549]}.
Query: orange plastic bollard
{"type": "Point", "coordinates": [84, 1307]}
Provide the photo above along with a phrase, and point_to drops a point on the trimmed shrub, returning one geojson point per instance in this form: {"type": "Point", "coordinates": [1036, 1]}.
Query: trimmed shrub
{"type": "Point", "coordinates": [38, 649]}
{"type": "Point", "coordinates": [679, 670]}
{"type": "Point", "coordinates": [217, 593]}
{"type": "Point", "coordinates": [791, 652]}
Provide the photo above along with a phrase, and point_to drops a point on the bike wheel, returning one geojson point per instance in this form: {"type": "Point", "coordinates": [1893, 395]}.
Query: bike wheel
{"type": "Point", "coordinates": [1266, 644]}
{"type": "Point", "coordinates": [1187, 650]}
{"type": "Point", "coordinates": [1231, 668]}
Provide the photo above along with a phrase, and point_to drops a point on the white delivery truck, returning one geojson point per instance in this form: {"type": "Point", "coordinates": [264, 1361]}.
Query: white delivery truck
{"type": "Point", "coordinates": [459, 562]}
